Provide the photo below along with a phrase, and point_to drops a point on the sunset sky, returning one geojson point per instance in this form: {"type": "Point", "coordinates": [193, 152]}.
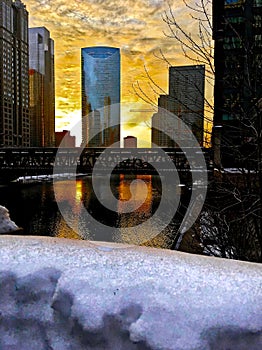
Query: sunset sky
{"type": "Point", "coordinates": [135, 26]}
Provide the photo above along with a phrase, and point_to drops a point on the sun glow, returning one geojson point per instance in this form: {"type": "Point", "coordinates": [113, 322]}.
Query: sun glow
{"type": "Point", "coordinates": [138, 33]}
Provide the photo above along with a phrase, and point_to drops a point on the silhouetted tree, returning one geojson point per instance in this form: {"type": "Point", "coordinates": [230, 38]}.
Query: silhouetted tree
{"type": "Point", "coordinates": [231, 221]}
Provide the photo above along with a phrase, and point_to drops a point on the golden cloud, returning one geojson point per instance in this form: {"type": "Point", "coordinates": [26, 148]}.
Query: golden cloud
{"type": "Point", "coordinates": [135, 26]}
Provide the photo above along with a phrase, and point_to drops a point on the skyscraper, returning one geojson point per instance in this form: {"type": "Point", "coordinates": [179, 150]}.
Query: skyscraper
{"type": "Point", "coordinates": [186, 101]}
{"type": "Point", "coordinates": [100, 96]}
{"type": "Point", "coordinates": [42, 87]}
{"type": "Point", "coordinates": [187, 95]}
{"type": "Point", "coordinates": [238, 79]}
{"type": "Point", "coordinates": [14, 91]}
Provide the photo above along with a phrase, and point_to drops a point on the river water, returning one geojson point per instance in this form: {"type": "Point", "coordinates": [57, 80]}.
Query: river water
{"type": "Point", "coordinates": [37, 209]}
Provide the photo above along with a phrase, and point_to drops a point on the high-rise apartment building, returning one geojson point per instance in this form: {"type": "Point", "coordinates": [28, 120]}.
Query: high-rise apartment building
{"type": "Point", "coordinates": [14, 91]}
{"type": "Point", "coordinates": [42, 87]}
{"type": "Point", "coordinates": [237, 32]}
{"type": "Point", "coordinates": [187, 96]}
{"type": "Point", "coordinates": [100, 96]}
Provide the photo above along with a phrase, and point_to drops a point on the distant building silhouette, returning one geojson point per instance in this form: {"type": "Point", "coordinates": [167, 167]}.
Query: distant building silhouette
{"type": "Point", "coordinates": [187, 96]}
{"type": "Point", "coordinates": [161, 128]}
{"type": "Point", "coordinates": [42, 87]}
{"type": "Point", "coordinates": [64, 139]}
{"type": "Point", "coordinates": [237, 34]}
{"type": "Point", "coordinates": [185, 101]}
{"type": "Point", "coordinates": [14, 89]}
{"type": "Point", "coordinates": [100, 96]}
{"type": "Point", "coordinates": [130, 142]}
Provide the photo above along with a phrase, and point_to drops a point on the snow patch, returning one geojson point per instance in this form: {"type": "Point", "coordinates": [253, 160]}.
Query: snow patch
{"type": "Point", "coordinates": [6, 224]}
{"type": "Point", "coordinates": [60, 294]}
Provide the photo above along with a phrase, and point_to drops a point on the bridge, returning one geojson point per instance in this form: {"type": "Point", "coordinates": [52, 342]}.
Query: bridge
{"type": "Point", "coordinates": [17, 162]}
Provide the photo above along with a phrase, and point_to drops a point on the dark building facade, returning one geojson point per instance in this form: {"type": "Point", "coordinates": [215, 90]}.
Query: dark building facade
{"type": "Point", "coordinates": [186, 101]}
{"type": "Point", "coordinates": [42, 87]}
{"type": "Point", "coordinates": [130, 142]}
{"type": "Point", "coordinates": [237, 32]}
{"type": "Point", "coordinates": [64, 139]}
{"type": "Point", "coordinates": [100, 96]}
{"type": "Point", "coordinates": [14, 85]}
{"type": "Point", "coordinates": [187, 94]}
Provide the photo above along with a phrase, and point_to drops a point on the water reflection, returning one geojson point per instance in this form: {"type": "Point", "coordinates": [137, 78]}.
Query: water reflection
{"type": "Point", "coordinates": [142, 190]}
{"type": "Point", "coordinates": [79, 191]}
{"type": "Point", "coordinates": [35, 208]}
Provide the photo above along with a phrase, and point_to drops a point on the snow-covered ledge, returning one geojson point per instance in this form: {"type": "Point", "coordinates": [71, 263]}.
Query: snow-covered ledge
{"type": "Point", "coordinates": [61, 294]}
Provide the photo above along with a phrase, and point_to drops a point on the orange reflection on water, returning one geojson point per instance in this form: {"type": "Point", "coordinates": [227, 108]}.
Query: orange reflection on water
{"type": "Point", "coordinates": [79, 191]}
{"type": "Point", "coordinates": [141, 214]}
{"type": "Point", "coordinates": [138, 193]}
{"type": "Point", "coordinates": [66, 232]}
{"type": "Point", "coordinates": [69, 193]}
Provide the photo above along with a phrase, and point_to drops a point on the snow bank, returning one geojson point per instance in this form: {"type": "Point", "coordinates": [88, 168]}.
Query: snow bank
{"type": "Point", "coordinates": [6, 225]}
{"type": "Point", "coordinates": [60, 294]}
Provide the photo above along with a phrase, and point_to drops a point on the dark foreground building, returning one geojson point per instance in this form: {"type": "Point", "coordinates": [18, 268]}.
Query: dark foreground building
{"type": "Point", "coordinates": [237, 31]}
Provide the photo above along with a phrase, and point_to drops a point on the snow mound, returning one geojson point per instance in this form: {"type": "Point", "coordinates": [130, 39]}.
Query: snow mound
{"type": "Point", "coordinates": [68, 295]}
{"type": "Point", "coordinates": [6, 225]}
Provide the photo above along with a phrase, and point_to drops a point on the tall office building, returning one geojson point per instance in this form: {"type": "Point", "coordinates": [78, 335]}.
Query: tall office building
{"type": "Point", "coordinates": [186, 101]}
{"type": "Point", "coordinates": [187, 96]}
{"type": "Point", "coordinates": [237, 26]}
{"type": "Point", "coordinates": [100, 96]}
{"type": "Point", "coordinates": [42, 87]}
{"type": "Point", "coordinates": [14, 91]}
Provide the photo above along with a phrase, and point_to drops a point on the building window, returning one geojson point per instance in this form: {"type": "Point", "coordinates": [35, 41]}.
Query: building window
{"type": "Point", "coordinates": [227, 117]}
{"type": "Point", "coordinates": [232, 43]}
{"type": "Point", "coordinates": [232, 3]}
{"type": "Point", "coordinates": [235, 20]}
{"type": "Point", "coordinates": [257, 21]}
{"type": "Point", "coordinates": [258, 3]}
{"type": "Point", "coordinates": [258, 40]}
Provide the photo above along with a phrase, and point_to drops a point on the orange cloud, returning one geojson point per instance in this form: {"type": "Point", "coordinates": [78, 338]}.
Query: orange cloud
{"type": "Point", "coordinates": [135, 26]}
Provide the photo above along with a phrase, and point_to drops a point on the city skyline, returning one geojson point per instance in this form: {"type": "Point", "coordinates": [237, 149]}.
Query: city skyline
{"type": "Point", "coordinates": [138, 34]}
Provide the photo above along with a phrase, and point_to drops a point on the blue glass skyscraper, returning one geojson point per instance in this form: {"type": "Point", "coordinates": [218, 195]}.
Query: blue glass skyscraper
{"type": "Point", "coordinates": [100, 96]}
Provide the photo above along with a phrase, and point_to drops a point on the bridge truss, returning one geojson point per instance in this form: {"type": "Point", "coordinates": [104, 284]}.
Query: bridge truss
{"type": "Point", "coordinates": [16, 162]}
